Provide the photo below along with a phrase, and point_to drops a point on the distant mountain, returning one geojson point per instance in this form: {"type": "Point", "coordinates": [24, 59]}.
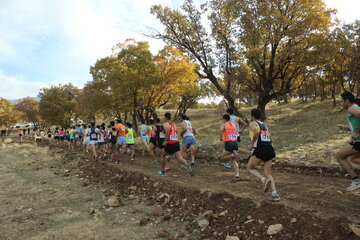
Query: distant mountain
{"type": "Point", "coordinates": [18, 100]}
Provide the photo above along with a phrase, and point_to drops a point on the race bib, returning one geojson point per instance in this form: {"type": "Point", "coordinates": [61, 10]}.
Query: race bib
{"type": "Point", "coordinates": [130, 136]}
{"type": "Point", "coordinates": [232, 136]}
{"type": "Point", "coordinates": [264, 136]}
{"type": "Point", "coordinates": [76, 135]}
{"type": "Point", "coordinates": [162, 135]}
{"type": "Point", "coordinates": [174, 137]}
{"type": "Point", "coordinates": [93, 135]}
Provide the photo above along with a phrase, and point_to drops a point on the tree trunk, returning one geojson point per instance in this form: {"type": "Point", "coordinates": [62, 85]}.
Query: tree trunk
{"type": "Point", "coordinates": [262, 102]}
{"type": "Point", "coordinates": [134, 121]}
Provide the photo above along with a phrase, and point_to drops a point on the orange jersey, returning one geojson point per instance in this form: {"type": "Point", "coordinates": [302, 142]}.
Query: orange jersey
{"type": "Point", "coordinates": [230, 133]}
{"type": "Point", "coordinates": [121, 130]}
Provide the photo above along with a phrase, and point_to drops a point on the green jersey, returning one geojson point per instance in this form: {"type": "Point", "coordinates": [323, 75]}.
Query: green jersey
{"type": "Point", "coordinates": [130, 136]}
{"type": "Point", "coordinates": [71, 134]}
{"type": "Point", "coordinates": [354, 123]}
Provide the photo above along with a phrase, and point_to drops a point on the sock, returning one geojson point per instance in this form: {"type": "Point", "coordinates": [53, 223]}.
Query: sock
{"type": "Point", "coordinates": [237, 175]}
{"type": "Point", "coordinates": [273, 193]}
{"type": "Point", "coordinates": [263, 179]}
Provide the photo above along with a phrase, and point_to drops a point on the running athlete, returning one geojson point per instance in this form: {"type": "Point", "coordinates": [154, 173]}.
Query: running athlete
{"type": "Point", "coordinates": [72, 140]}
{"type": "Point", "coordinates": [56, 135]}
{"type": "Point", "coordinates": [130, 140]}
{"type": "Point", "coordinates": [172, 145]}
{"type": "Point", "coordinates": [121, 130]}
{"type": "Point", "coordinates": [112, 140]}
{"type": "Point", "coordinates": [86, 139]}
{"type": "Point", "coordinates": [21, 133]}
{"type": "Point", "coordinates": [101, 141]}
{"type": "Point", "coordinates": [188, 142]}
{"type": "Point", "coordinates": [144, 131]}
{"type": "Point", "coordinates": [35, 134]}
{"type": "Point", "coordinates": [152, 141]}
{"type": "Point", "coordinates": [42, 135]}
{"type": "Point", "coordinates": [62, 134]}
{"type": "Point", "coordinates": [263, 153]}
{"type": "Point", "coordinates": [228, 139]}
{"type": "Point", "coordinates": [93, 133]}
{"type": "Point", "coordinates": [237, 121]}
{"type": "Point", "coordinates": [160, 139]}
{"type": "Point", "coordinates": [79, 130]}
{"type": "Point", "coordinates": [49, 134]}
{"type": "Point", "coordinates": [351, 150]}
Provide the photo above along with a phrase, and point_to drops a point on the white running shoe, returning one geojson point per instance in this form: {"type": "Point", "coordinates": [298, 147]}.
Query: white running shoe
{"type": "Point", "coordinates": [355, 184]}
{"type": "Point", "coordinates": [274, 197]}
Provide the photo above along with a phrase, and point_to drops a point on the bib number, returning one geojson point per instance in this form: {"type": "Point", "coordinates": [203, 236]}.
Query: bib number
{"type": "Point", "coordinates": [174, 137]}
{"type": "Point", "coordinates": [162, 135]}
{"type": "Point", "coordinates": [264, 136]}
{"type": "Point", "coordinates": [232, 136]}
{"type": "Point", "coordinates": [130, 136]}
{"type": "Point", "coordinates": [93, 135]}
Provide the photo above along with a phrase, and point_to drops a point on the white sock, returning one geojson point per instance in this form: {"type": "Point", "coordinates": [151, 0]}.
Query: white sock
{"type": "Point", "coordinates": [263, 179]}
{"type": "Point", "coordinates": [273, 193]}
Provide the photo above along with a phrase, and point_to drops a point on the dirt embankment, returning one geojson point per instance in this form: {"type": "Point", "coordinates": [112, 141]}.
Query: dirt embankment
{"type": "Point", "coordinates": [314, 206]}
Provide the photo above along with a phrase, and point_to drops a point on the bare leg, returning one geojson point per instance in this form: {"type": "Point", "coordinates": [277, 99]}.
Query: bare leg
{"type": "Point", "coordinates": [192, 153]}
{"type": "Point", "coordinates": [341, 156]}
{"type": "Point", "coordinates": [180, 159]}
{"type": "Point", "coordinates": [267, 173]}
{"type": "Point", "coordinates": [251, 167]}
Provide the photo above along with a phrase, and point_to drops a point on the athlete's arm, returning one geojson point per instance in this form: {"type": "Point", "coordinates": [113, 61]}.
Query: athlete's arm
{"type": "Point", "coordinates": [242, 123]}
{"type": "Point", "coordinates": [166, 130]}
{"type": "Point", "coordinates": [354, 111]}
{"type": "Point", "coordinates": [222, 127]}
{"type": "Point", "coordinates": [183, 127]}
{"type": "Point", "coordinates": [255, 130]}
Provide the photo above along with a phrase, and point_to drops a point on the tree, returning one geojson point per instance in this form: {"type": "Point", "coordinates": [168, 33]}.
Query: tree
{"type": "Point", "coordinates": [58, 104]}
{"type": "Point", "coordinates": [30, 109]}
{"type": "Point", "coordinates": [274, 38]}
{"type": "Point", "coordinates": [8, 115]}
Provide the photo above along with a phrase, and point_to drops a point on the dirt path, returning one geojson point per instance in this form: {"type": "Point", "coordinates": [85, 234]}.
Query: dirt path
{"type": "Point", "coordinates": [50, 197]}
{"type": "Point", "coordinates": [38, 203]}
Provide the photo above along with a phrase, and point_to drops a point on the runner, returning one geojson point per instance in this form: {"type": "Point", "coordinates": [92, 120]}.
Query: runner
{"type": "Point", "coordinates": [49, 134]}
{"type": "Point", "coordinates": [72, 131]}
{"type": "Point", "coordinates": [188, 142]}
{"type": "Point", "coordinates": [77, 137]}
{"type": "Point", "coordinates": [101, 141]}
{"type": "Point", "coordinates": [21, 133]}
{"type": "Point", "coordinates": [86, 139]}
{"type": "Point", "coordinates": [351, 150]}
{"type": "Point", "coordinates": [35, 134]}
{"type": "Point", "coordinates": [144, 131]}
{"type": "Point", "coordinates": [62, 135]}
{"type": "Point", "coordinates": [121, 130]}
{"type": "Point", "coordinates": [153, 145]}
{"type": "Point", "coordinates": [56, 135]}
{"type": "Point", "coordinates": [263, 153]}
{"type": "Point", "coordinates": [172, 145]}
{"type": "Point", "coordinates": [237, 121]}
{"type": "Point", "coordinates": [80, 131]}
{"type": "Point", "coordinates": [93, 133]}
{"type": "Point", "coordinates": [130, 140]}
{"type": "Point", "coordinates": [42, 135]}
{"type": "Point", "coordinates": [112, 141]}
{"type": "Point", "coordinates": [228, 139]}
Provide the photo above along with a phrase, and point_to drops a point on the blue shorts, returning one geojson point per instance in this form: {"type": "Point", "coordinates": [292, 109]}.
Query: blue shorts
{"type": "Point", "coordinates": [188, 141]}
{"type": "Point", "coordinates": [121, 140]}
{"type": "Point", "coordinates": [146, 137]}
{"type": "Point", "coordinates": [231, 146]}
{"type": "Point", "coordinates": [72, 139]}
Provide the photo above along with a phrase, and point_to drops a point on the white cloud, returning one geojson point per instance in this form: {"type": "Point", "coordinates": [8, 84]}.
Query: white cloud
{"type": "Point", "coordinates": [16, 87]}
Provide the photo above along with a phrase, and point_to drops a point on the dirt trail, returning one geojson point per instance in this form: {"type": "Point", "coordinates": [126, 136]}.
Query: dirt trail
{"type": "Point", "coordinates": [314, 203]}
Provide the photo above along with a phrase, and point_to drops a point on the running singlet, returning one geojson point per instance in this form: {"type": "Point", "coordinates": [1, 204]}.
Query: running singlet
{"type": "Point", "coordinates": [93, 134]}
{"type": "Point", "coordinates": [130, 136]}
{"type": "Point", "coordinates": [71, 133]}
{"type": "Point", "coordinates": [233, 121]}
{"type": "Point", "coordinates": [189, 129]}
{"type": "Point", "coordinates": [143, 130]}
{"type": "Point", "coordinates": [120, 130]}
{"type": "Point", "coordinates": [354, 123]}
{"type": "Point", "coordinates": [264, 137]}
{"type": "Point", "coordinates": [172, 136]}
{"type": "Point", "coordinates": [229, 133]}
{"type": "Point", "coordinates": [159, 133]}
{"type": "Point", "coordinates": [56, 133]}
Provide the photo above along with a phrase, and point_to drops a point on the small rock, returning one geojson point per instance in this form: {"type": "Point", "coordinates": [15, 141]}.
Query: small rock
{"type": "Point", "coordinates": [144, 221]}
{"type": "Point", "coordinates": [94, 211]}
{"type": "Point", "coordinates": [223, 213]}
{"type": "Point", "coordinates": [231, 238]}
{"type": "Point", "coordinates": [183, 202]}
{"type": "Point", "coordinates": [158, 211]}
{"type": "Point", "coordinates": [249, 217]}
{"type": "Point", "coordinates": [132, 197]}
{"type": "Point", "coordinates": [156, 184]}
{"type": "Point", "coordinates": [274, 229]}
{"type": "Point", "coordinates": [163, 233]}
{"type": "Point", "coordinates": [203, 223]}
{"type": "Point", "coordinates": [132, 188]}
{"type": "Point", "coordinates": [293, 220]}
{"type": "Point", "coordinates": [113, 201]}
{"type": "Point", "coordinates": [355, 229]}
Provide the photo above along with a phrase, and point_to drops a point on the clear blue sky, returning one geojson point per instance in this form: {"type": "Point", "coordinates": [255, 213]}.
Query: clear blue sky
{"type": "Point", "coordinates": [46, 42]}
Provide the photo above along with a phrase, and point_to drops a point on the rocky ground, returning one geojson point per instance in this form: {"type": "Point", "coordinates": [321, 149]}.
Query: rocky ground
{"type": "Point", "coordinates": [49, 192]}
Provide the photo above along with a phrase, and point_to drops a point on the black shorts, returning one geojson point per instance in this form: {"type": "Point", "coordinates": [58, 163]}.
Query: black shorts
{"type": "Point", "coordinates": [231, 146]}
{"type": "Point", "coordinates": [153, 141]}
{"type": "Point", "coordinates": [160, 143]}
{"type": "Point", "coordinates": [172, 148]}
{"type": "Point", "coordinates": [62, 138]}
{"type": "Point", "coordinates": [112, 141]}
{"type": "Point", "coordinates": [238, 139]}
{"type": "Point", "coordinates": [355, 145]}
{"type": "Point", "coordinates": [20, 135]}
{"type": "Point", "coordinates": [56, 137]}
{"type": "Point", "coordinates": [265, 153]}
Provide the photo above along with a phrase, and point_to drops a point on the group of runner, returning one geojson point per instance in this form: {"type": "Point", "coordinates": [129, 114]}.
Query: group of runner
{"type": "Point", "coordinates": [162, 139]}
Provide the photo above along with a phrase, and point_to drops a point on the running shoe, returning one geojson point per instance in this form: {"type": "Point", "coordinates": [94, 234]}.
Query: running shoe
{"type": "Point", "coordinates": [162, 173]}
{"type": "Point", "coordinates": [192, 163]}
{"type": "Point", "coordinates": [237, 178]}
{"type": "Point", "coordinates": [228, 165]}
{"type": "Point", "coordinates": [132, 159]}
{"type": "Point", "coordinates": [267, 185]}
{"type": "Point", "coordinates": [251, 152]}
{"type": "Point", "coordinates": [167, 168]}
{"type": "Point", "coordinates": [191, 172]}
{"type": "Point", "coordinates": [109, 159]}
{"type": "Point", "coordinates": [117, 162]}
{"type": "Point", "coordinates": [100, 158]}
{"type": "Point", "coordinates": [355, 184]}
{"type": "Point", "coordinates": [274, 197]}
